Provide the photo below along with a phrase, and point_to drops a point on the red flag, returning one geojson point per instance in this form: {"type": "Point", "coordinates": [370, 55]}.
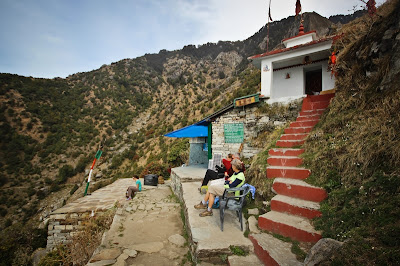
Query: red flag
{"type": "Point", "coordinates": [371, 7]}
{"type": "Point", "coordinates": [298, 7]}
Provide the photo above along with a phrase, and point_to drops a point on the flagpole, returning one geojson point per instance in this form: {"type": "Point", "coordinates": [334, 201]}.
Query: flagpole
{"type": "Point", "coordinates": [96, 157]}
{"type": "Point", "coordinates": [269, 15]}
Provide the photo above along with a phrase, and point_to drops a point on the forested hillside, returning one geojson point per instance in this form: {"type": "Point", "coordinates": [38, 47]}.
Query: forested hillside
{"type": "Point", "coordinates": [51, 129]}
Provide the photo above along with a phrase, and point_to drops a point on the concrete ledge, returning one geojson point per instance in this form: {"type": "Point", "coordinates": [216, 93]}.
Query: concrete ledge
{"type": "Point", "coordinates": [208, 242]}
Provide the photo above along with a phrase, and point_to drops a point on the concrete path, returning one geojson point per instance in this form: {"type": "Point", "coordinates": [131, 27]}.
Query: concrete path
{"type": "Point", "coordinates": [148, 230]}
{"type": "Point", "coordinates": [101, 199]}
{"type": "Point", "coordinates": [206, 235]}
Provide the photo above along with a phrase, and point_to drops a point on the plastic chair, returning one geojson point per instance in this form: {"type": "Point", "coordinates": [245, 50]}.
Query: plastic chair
{"type": "Point", "coordinates": [233, 203]}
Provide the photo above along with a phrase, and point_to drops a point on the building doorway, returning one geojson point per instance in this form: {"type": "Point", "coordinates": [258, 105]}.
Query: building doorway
{"type": "Point", "coordinates": [313, 81]}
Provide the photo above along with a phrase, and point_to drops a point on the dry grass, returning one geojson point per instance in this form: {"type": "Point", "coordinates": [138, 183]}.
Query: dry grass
{"type": "Point", "coordinates": [83, 243]}
{"type": "Point", "coordinates": [355, 151]}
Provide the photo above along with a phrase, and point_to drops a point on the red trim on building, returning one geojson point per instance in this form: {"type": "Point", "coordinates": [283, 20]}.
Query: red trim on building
{"type": "Point", "coordinates": [300, 34]}
{"type": "Point", "coordinates": [278, 51]}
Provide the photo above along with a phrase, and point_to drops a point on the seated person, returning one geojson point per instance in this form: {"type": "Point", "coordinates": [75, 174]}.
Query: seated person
{"type": "Point", "coordinates": [130, 192]}
{"type": "Point", "coordinates": [236, 180]}
{"type": "Point", "coordinates": [212, 175]}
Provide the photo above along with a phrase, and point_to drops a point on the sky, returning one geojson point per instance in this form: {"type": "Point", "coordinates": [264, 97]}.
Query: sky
{"type": "Point", "coordinates": [57, 38]}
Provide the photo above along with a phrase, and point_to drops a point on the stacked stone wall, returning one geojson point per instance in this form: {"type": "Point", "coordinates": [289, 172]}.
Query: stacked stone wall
{"type": "Point", "coordinates": [62, 227]}
{"type": "Point", "coordinates": [254, 122]}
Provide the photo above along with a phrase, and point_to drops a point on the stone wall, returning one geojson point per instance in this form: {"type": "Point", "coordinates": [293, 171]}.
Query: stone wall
{"type": "Point", "coordinates": [62, 226]}
{"type": "Point", "coordinates": [253, 122]}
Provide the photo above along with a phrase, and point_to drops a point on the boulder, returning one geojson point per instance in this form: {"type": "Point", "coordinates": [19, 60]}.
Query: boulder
{"type": "Point", "coordinates": [322, 251]}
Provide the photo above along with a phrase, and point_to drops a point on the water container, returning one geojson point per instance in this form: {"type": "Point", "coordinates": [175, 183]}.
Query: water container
{"type": "Point", "coordinates": [151, 180]}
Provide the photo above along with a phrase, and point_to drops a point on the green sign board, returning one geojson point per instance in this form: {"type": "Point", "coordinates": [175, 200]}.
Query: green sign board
{"type": "Point", "coordinates": [234, 133]}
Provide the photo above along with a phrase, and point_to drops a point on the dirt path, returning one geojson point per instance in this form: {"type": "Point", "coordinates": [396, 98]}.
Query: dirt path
{"type": "Point", "coordinates": [147, 230]}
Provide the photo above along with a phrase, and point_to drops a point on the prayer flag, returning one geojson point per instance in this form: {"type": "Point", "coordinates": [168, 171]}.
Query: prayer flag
{"type": "Point", "coordinates": [298, 7]}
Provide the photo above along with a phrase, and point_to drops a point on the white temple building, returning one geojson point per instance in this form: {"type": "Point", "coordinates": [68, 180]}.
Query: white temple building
{"type": "Point", "coordinates": [299, 69]}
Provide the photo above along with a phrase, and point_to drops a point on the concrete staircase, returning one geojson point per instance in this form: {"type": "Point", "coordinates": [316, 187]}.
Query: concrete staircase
{"type": "Point", "coordinates": [296, 201]}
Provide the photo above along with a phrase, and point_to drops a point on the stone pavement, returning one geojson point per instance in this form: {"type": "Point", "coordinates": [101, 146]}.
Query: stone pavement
{"type": "Point", "coordinates": [100, 200]}
{"type": "Point", "coordinates": [147, 230]}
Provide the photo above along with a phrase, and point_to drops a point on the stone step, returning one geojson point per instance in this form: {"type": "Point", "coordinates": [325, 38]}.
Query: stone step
{"type": "Point", "coordinates": [296, 130]}
{"type": "Point", "coordinates": [298, 189]}
{"type": "Point", "coordinates": [284, 161]}
{"type": "Point", "coordinates": [287, 172]}
{"type": "Point", "coordinates": [272, 251]}
{"type": "Point", "coordinates": [289, 143]}
{"type": "Point", "coordinates": [294, 206]}
{"type": "Point", "coordinates": [311, 112]}
{"type": "Point", "coordinates": [303, 124]}
{"type": "Point", "coordinates": [314, 105]}
{"type": "Point", "coordinates": [250, 259]}
{"type": "Point", "coordinates": [294, 227]}
{"type": "Point", "coordinates": [285, 152]}
{"type": "Point", "coordinates": [300, 136]}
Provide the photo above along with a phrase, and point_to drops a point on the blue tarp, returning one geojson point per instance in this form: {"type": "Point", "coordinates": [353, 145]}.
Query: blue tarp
{"type": "Point", "coordinates": [199, 129]}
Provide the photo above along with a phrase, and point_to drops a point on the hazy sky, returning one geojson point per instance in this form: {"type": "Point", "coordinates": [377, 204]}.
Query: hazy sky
{"type": "Point", "coordinates": [56, 38]}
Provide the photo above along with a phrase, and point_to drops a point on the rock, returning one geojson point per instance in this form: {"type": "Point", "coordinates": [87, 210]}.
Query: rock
{"type": "Point", "coordinates": [106, 254]}
{"type": "Point", "coordinates": [177, 240]}
{"type": "Point", "coordinates": [150, 247]}
{"type": "Point", "coordinates": [130, 252]}
{"type": "Point", "coordinates": [253, 211]}
{"type": "Point", "coordinates": [253, 225]}
{"type": "Point", "coordinates": [37, 255]}
{"type": "Point", "coordinates": [322, 251]}
{"type": "Point", "coordinates": [102, 263]}
{"type": "Point", "coordinates": [244, 260]}
{"type": "Point", "coordinates": [121, 260]}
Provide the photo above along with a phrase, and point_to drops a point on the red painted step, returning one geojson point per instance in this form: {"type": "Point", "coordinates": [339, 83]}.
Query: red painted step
{"type": "Point", "coordinates": [308, 118]}
{"type": "Point", "coordinates": [295, 227]}
{"type": "Point", "coordinates": [312, 112]}
{"type": "Point", "coordinates": [285, 152]}
{"type": "Point", "coordinates": [284, 161]}
{"type": "Point", "coordinates": [272, 251]}
{"type": "Point", "coordinates": [300, 136]}
{"type": "Point", "coordinates": [314, 105]}
{"type": "Point", "coordinates": [289, 143]}
{"type": "Point", "coordinates": [298, 189]}
{"type": "Point", "coordinates": [319, 98]}
{"type": "Point", "coordinates": [297, 130]}
{"type": "Point", "coordinates": [287, 172]}
{"type": "Point", "coordinates": [299, 207]}
{"type": "Point", "coordinates": [303, 124]}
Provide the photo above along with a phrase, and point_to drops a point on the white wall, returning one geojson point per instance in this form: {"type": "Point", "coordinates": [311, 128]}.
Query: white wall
{"type": "Point", "coordinates": [294, 86]}
{"type": "Point", "coordinates": [266, 78]}
{"type": "Point", "coordinates": [328, 82]}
